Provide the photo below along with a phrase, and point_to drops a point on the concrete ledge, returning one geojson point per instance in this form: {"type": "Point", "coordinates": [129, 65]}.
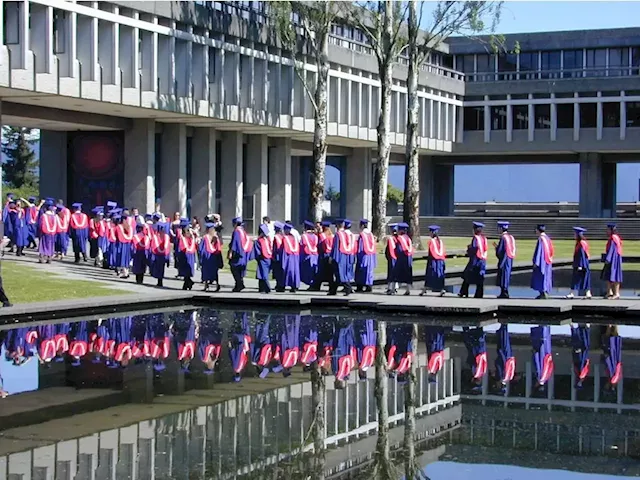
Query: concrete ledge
{"type": "Point", "coordinates": [32, 408]}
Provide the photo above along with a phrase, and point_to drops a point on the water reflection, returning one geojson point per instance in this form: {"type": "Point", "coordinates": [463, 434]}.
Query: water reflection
{"type": "Point", "coordinates": [482, 394]}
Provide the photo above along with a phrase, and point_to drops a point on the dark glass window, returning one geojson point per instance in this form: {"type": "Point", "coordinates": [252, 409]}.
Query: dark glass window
{"type": "Point", "coordinates": [572, 64]}
{"type": "Point", "coordinates": [499, 118]}
{"type": "Point", "coordinates": [550, 64]}
{"type": "Point", "coordinates": [528, 65]}
{"type": "Point", "coordinates": [588, 115]}
{"type": "Point", "coordinates": [635, 60]}
{"type": "Point", "coordinates": [633, 114]}
{"type": "Point", "coordinates": [473, 119]}
{"type": "Point", "coordinates": [465, 63]}
{"type": "Point", "coordinates": [596, 62]}
{"type": "Point", "coordinates": [506, 64]}
{"type": "Point", "coordinates": [611, 114]}
{"type": "Point", "coordinates": [520, 117]}
{"type": "Point", "coordinates": [564, 112]}
{"type": "Point", "coordinates": [543, 116]}
{"type": "Point", "coordinates": [486, 68]}
{"type": "Point", "coordinates": [618, 62]}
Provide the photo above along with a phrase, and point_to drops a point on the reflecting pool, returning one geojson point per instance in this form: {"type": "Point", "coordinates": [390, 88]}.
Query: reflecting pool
{"type": "Point", "coordinates": [199, 393]}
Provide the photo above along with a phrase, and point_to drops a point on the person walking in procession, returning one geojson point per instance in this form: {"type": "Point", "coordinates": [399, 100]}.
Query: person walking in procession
{"type": "Point", "coordinates": [542, 276]}
{"type": "Point", "coordinates": [366, 258]}
{"type": "Point", "coordinates": [612, 258]}
{"type": "Point", "coordinates": [581, 276]}
{"type": "Point", "coordinates": [435, 273]}
{"type": "Point", "coordinates": [477, 265]}
{"type": "Point", "coordinates": [506, 252]}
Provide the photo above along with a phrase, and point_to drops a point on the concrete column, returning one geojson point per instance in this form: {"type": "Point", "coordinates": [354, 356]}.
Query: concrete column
{"type": "Point", "coordinates": [358, 193]}
{"type": "Point", "coordinates": [231, 181]}
{"type": "Point", "coordinates": [426, 185]}
{"type": "Point", "coordinates": [203, 172]}
{"type": "Point", "coordinates": [174, 168]}
{"type": "Point", "coordinates": [443, 181]}
{"type": "Point", "coordinates": [599, 117]}
{"type": "Point", "coordinates": [280, 180]}
{"type": "Point", "coordinates": [509, 120]}
{"type": "Point", "coordinates": [576, 118]}
{"type": "Point", "coordinates": [623, 117]}
{"type": "Point", "coordinates": [53, 164]}
{"type": "Point", "coordinates": [487, 120]}
{"type": "Point", "coordinates": [554, 118]}
{"type": "Point", "coordinates": [258, 175]}
{"type": "Point", "coordinates": [532, 119]}
{"type": "Point", "coordinates": [139, 165]}
{"type": "Point", "coordinates": [597, 186]}
{"type": "Point", "coordinates": [460, 125]}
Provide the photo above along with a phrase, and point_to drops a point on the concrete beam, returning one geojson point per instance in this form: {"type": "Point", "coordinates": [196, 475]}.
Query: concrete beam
{"type": "Point", "coordinates": [66, 116]}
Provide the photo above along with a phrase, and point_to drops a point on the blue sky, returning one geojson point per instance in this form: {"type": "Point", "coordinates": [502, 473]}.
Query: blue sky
{"type": "Point", "coordinates": [533, 182]}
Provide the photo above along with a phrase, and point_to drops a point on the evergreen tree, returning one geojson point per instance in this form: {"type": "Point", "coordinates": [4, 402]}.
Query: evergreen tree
{"type": "Point", "coordinates": [20, 164]}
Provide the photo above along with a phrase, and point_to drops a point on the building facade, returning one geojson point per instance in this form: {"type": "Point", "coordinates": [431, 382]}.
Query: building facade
{"type": "Point", "coordinates": [194, 105]}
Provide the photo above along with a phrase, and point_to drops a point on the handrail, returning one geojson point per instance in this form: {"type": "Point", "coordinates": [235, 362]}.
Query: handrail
{"type": "Point", "coordinates": [560, 74]}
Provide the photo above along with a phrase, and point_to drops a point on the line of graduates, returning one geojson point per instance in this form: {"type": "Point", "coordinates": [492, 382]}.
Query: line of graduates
{"type": "Point", "coordinates": [542, 260]}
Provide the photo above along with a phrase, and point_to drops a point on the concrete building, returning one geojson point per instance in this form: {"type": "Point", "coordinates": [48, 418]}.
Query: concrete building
{"type": "Point", "coordinates": [191, 103]}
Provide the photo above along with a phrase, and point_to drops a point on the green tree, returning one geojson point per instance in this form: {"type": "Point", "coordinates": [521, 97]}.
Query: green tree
{"type": "Point", "coordinates": [20, 165]}
{"type": "Point", "coordinates": [331, 193]}
{"type": "Point", "coordinates": [394, 194]}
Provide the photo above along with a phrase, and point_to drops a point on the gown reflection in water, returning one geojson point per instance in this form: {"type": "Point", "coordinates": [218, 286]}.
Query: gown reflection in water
{"type": "Point", "coordinates": [259, 432]}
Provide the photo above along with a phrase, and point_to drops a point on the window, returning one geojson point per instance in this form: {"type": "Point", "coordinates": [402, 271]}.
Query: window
{"type": "Point", "coordinates": [618, 62]}
{"type": "Point", "coordinates": [572, 63]}
{"type": "Point", "coordinates": [507, 63]}
{"type": "Point", "coordinates": [588, 115]}
{"type": "Point", "coordinates": [499, 118]}
{"type": "Point", "coordinates": [212, 64]}
{"type": "Point", "coordinates": [564, 112]}
{"type": "Point", "coordinates": [596, 62]}
{"type": "Point", "coordinates": [486, 68]}
{"type": "Point", "coordinates": [520, 117]}
{"type": "Point", "coordinates": [59, 30]}
{"type": "Point", "coordinates": [465, 64]}
{"type": "Point", "coordinates": [11, 18]}
{"type": "Point", "coordinates": [528, 65]}
{"type": "Point", "coordinates": [550, 64]}
{"type": "Point", "coordinates": [635, 60]}
{"type": "Point", "coordinates": [542, 114]}
{"type": "Point", "coordinates": [473, 119]}
{"type": "Point", "coordinates": [610, 114]}
{"type": "Point", "coordinates": [633, 114]}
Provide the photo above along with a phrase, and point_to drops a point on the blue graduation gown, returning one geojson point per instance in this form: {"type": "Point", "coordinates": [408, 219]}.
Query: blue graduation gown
{"type": "Point", "coordinates": [140, 258]}
{"type": "Point", "coordinates": [476, 267]}
{"type": "Point", "coordinates": [342, 360]}
{"type": "Point", "coordinates": [343, 261]}
{"type": "Point", "coordinates": [505, 264]}
{"type": "Point", "coordinates": [79, 237]}
{"type": "Point", "coordinates": [612, 358]}
{"type": "Point", "coordinates": [542, 275]}
{"type": "Point", "coordinates": [403, 269]}
{"type": "Point", "coordinates": [289, 342]}
{"type": "Point", "coordinates": [239, 344]}
{"type": "Point", "coordinates": [209, 337]}
{"type": "Point", "coordinates": [542, 357]}
{"type": "Point", "coordinates": [581, 276]}
{"type": "Point", "coordinates": [20, 229]}
{"type": "Point", "coordinates": [612, 271]}
{"type": "Point", "coordinates": [476, 342]}
{"type": "Point", "coordinates": [399, 348]}
{"type": "Point", "coordinates": [434, 275]}
{"type": "Point", "coordinates": [309, 262]}
{"type": "Point", "coordinates": [33, 215]}
{"type": "Point", "coordinates": [308, 339]}
{"type": "Point", "coordinates": [505, 361]}
{"type": "Point", "coordinates": [434, 340]}
{"type": "Point", "coordinates": [239, 258]}
{"type": "Point", "coordinates": [261, 347]}
{"type": "Point", "coordinates": [390, 255]}
{"type": "Point", "coordinates": [263, 264]}
{"type": "Point", "coordinates": [158, 262]}
{"type": "Point", "coordinates": [290, 262]}
{"type": "Point", "coordinates": [366, 264]}
{"type": "Point", "coordinates": [210, 262]}
{"type": "Point", "coordinates": [366, 337]}
{"type": "Point", "coordinates": [580, 343]}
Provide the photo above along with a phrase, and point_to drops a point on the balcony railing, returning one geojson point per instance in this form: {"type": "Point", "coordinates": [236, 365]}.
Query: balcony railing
{"type": "Point", "coordinates": [555, 74]}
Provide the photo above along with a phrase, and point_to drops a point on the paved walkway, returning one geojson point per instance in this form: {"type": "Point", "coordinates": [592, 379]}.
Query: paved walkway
{"type": "Point", "coordinates": [148, 296]}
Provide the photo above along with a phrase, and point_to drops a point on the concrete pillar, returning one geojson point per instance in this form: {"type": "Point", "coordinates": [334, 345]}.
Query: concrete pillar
{"type": "Point", "coordinates": [139, 165]}
{"type": "Point", "coordinates": [231, 181]}
{"type": "Point", "coordinates": [443, 182]}
{"type": "Point", "coordinates": [53, 164]}
{"type": "Point", "coordinates": [426, 186]}
{"type": "Point", "coordinates": [174, 169]}
{"type": "Point", "coordinates": [599, 117]}
{"type": "Point", "coordinates": [597, 186]}
{"type": "Point", "coordinates": [258, 176]}
{"type": "Point", "coordinates": [623, 117]}
{"type": "Point", "coordinates": [487, 120]}
{"type": "Point", "coordinates": [203, 172]}
{"type": "Point", "coordinates": [554, 118]}
{"type": "Point", "coordinates": [358, 182]}
{"type": "Point", "coordinates": [509, 120]}
{"type": "Point", "coordinates": [280, 180]}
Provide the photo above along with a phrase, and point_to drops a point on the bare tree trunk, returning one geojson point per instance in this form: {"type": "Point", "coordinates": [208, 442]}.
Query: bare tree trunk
{"type": "Point", "coordinates": [318, 389]}
{"type": "Point", "coordinates": [316, 187]}
{"type": "Point", "coordinates": [380, 176]}
{"type": "Point", "coordinates": [412, 159]}
{"type": "Point", "coordinates": [383, 466]}
{"type": "Point", "coordinates": [410, 464]}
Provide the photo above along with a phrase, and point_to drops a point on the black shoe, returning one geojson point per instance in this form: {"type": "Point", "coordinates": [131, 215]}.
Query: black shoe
{"type": "Point", "coordinates": [332, 292]}
{"type": "Point", "coordinates": [503, 295]}
{"type": "Point", "coordinates": [7, 304]}
{"type": "Point", "coordinates": [217, 288]}
{"type": "Point", "coordinates": [368, 289]}
{"type": "Point", "coordinates": [359, 289]}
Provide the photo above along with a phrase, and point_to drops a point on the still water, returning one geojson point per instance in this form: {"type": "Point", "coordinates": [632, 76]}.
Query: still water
{"type": "Point", "coordinates": [203, 393]}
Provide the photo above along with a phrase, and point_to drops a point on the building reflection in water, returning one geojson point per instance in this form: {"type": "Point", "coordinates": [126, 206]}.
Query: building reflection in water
{"type": "Point", "coordinates": [475, 405]}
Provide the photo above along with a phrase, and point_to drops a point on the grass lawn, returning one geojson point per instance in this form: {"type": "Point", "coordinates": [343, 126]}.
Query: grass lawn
{"type": "Point", "coordinates": [563, 250]}
{"type": "Point", "coordinates": [27, 284]}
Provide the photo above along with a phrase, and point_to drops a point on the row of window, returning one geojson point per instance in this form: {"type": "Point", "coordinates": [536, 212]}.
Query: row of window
{"type": "Point", "coordinates": [595, 62]}
{"type": "Point", "coordinates": [474, 116]}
